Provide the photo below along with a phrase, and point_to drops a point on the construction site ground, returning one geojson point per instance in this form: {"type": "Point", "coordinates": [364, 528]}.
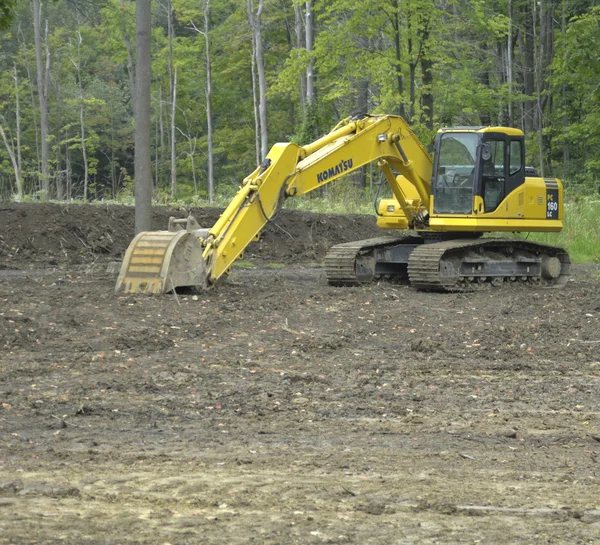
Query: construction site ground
{"type": "Point", "coordinates": [275, 409]}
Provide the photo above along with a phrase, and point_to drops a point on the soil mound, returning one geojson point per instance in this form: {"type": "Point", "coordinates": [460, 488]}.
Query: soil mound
{"type": "Point", "coordinates": [31, 234]}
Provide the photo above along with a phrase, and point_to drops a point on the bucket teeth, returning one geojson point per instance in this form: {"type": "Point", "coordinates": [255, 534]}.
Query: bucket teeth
{"type": "Point", "coordinates": [160, 261]}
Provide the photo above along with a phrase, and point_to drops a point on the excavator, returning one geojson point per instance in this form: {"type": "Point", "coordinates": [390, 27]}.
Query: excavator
{"type": "Point", "coordinates": [476, 183]}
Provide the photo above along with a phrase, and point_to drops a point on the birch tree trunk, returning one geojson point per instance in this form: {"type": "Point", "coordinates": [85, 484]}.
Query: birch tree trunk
{"type": "Point", "coordinates": [255, 105]}
{"type": "Point", "coordinates": [13, 160]}
{"type": "Point", "coordinates": [310, 76]}
{"type": "Point", "coordinates": [255, 24]}
{"type": "Point", "coordinates": [30, 80]}
{"type": "Point", "coordinates": [42, 83]}
{"type": "Point", "coordinates": [86, 169]}
{"type": "Point", "coordinates": [162, 131]}
{"type": "Point", "coordinates": [565, 119]}
{"type": "Point", "coordinates": [58, 173]}
{"type": "Point", "coordinates": [173, 139]}
{"type": "Point", "coordinates": [255, 92]}
{"type": "Point", "coordinates": [300, 44]}
{"type": "Point", "coordinates": [172, 95]}
{"type": "Point", "coordinates": [143, 161]}
{"type": "Point", "coordinates": [209, 112]}
{"type": "Point", "coordinates": [18, 119]}
{"type": "Point", "coordinates": [509, 58]}
{"type": "Point", "coordinates": [538, 85]}
{"type": "Point", "coordinates": [68, 168]}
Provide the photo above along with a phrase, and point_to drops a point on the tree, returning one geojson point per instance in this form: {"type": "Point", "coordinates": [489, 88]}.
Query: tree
{"type": "Point", "coordinates": [143, 161]}
{"type": "Point", "coordinates": [43, 75]}
{"type": "Point", "coordinates": [209, 108]}
{"type": "Point", "coordinates": [257, 48]}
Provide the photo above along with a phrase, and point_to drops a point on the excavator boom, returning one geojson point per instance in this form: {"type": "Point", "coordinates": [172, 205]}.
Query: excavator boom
{"type": "Point", "coordinates": [157, 262]}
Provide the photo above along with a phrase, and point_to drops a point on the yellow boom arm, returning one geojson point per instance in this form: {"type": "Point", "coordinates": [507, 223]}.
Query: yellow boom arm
{"type": "Point", "coordinates": [160, 261]}
{"type": "Point", "coordinates": [290, 170]}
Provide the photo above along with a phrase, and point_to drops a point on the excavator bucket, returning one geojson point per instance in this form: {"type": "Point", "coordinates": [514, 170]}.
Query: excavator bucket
{"type": "Point", "coordinates": [159, 261]}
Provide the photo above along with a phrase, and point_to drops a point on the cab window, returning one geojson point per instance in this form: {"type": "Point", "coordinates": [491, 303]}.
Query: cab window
{"type": "Point", "coordinates": [454, 177]}
{"type": "Point", "coordinates": [516, 161]}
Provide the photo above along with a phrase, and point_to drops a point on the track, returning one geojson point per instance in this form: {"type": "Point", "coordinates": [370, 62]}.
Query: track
{"type": "Point", "coordinates": [452, 265]}
{"type": "Point", "coordinates": [456, 265]}
{"type": "Point", "coordinates": [340, 262]}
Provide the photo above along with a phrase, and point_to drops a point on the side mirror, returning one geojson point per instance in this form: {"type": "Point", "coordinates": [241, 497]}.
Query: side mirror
{"type": "Point", "coordinates": [441, 171]}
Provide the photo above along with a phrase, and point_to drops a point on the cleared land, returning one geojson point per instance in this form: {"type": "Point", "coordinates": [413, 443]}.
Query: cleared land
{"type": "Point", "coordinates": [277, 409]}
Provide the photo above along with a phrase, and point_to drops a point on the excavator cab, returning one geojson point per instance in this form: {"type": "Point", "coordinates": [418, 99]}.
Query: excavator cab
{"type": "Point", "coordinates": [471, 162]}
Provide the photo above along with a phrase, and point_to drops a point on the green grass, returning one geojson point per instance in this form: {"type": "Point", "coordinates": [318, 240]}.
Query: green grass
{"type": "Point", "coordinates": [323, 205]}
{"type": "Point", "coordinates": [581, 233]}
{"type": "Point", "coordinates": [242, 264]}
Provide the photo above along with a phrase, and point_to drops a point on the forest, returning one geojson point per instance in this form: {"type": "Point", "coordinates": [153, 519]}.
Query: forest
{"type": "Point", "coordinates": [230, 79]}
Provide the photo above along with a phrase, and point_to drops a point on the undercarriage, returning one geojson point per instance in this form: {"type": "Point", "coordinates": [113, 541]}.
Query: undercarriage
{"type": "Point", "coordinates": [458, 264]}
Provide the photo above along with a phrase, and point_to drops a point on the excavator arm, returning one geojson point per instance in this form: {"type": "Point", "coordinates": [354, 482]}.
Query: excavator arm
{"type": "Point", "coordinates": [157, 262]}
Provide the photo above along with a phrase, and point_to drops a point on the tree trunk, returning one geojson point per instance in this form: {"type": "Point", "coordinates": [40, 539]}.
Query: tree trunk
{"type": "Point", "coordinates": [173, 139]}
{"type": "Point", "coordinates": [81, 120]}
{"type": "Point", "coordinates": [68, 168]}
{"type": "Point", "coordinates": [509, 70]}
{"type": "Point", "coordinates": [162, 132]}
{"type": "Point", "coordinates": [362, 106]}
{"type": "Point", "coordinates": [16, 169]}
{"type": "Point", "coordinates": [173, 97]}
{"type": "Point", "coordinates": [58, 173]}
{"type": "Point", "coordinates": [501, 69]}
{"type": "Point", "coordinates": [30, 80]}
{"type": "Point", "coordinates": [310, 76]}
{"type": "Point", "coordinates": [143, 162]}
{"type": "Point", "coordinates": [170, 39]}
{"type": "Point", "coordinates": [127, 42]}
{"type": "Point", "coordinates": [209, 112]}
{"type": "Point", "coordinates": [538, 84]}
{"type": "Point", "coordinates": [18, 119]}
{"type": "Point", "coordinates": [398, 50]}
{"type": "Point", "coordinates": [427, 75]}
{"type": "Point", "coordinates": [113, 178]}
{"type": "Point", "coordinates": [300, 44]}
{"type": "Point", "coordinates": [529, 69]}
{"type": "Point", "coordinates": [412, 65]}
{"type": "Point", "coordinates": [157, 123]}
{"type": "Point", "coordinates": [262, 83]}
{"type": "Point", "coordinates": [255, 24]}
{"type": "Point", "coordinates": [255, 105]}
{"type": "Point", "coordinates": [42, 83]}
{"type": "Point", "coordinates": [565, 119]}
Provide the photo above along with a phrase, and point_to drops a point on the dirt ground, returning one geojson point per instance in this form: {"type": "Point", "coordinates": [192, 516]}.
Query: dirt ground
{"type": "Point", "coordinates": [276, 409]}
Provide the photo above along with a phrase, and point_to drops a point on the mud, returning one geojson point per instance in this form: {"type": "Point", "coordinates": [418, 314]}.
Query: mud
{"type": "Point", "coordinates": [42, 235]}
{"type": "Point", "coordinates": [275, 409]}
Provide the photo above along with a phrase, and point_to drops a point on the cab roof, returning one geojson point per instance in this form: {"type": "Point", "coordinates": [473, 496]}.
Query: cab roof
{"type": "Point", "coordinates": [509, 131]}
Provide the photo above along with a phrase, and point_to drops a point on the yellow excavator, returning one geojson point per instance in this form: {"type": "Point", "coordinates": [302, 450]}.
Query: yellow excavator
{"type": "Point", "coordinates": [477, 183]}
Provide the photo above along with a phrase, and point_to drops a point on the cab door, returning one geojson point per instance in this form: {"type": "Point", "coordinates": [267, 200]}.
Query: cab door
{"type": "Point", "coordinates": [502, 168]}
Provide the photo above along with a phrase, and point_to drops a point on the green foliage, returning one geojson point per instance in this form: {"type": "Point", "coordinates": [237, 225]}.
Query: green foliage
{"type": "Point", "coordinates": [309, 128]}
{"type": "Point", "coordinates": [7, 13]}
{"type": "Point", "coordinates": [576, 72]}
{"type": "Point", "coordinates": [368, 57]}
